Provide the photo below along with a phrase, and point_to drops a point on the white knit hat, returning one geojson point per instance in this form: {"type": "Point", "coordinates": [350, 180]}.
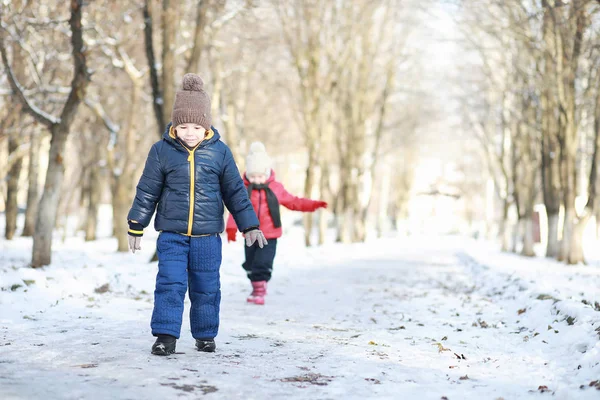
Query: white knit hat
{"type": "Point", "coordinates": [257, 160]}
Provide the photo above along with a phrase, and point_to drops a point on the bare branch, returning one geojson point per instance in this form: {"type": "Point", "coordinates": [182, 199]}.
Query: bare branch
{"type": "Point", "coordinates": [97, 108]}
{"type": "Point", "coordinates": [37, 113]}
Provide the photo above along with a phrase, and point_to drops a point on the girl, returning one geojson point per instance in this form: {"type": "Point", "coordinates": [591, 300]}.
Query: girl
{"type": "Point", "coordinates": [266, 194]}
{"type": "Point", "coordinates": [189, 174]}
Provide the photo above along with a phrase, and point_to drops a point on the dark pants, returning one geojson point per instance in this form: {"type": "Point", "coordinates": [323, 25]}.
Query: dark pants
{"type": "Point", "coordinates": [187, 263]}
{"type": "Point", "coordinates": [259, 262]}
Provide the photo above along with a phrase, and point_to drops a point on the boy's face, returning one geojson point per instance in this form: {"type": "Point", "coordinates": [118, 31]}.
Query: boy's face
{"type": "Point", "coordinates": [257, 179]}
{"type": "Point", "coordinates": [190, 134]}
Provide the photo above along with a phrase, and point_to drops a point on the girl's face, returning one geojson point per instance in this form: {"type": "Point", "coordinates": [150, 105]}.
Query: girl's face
{"type": "Point", "coordinates": [257, 179]}
{"type": "Point", "coordinates": [190, 134]}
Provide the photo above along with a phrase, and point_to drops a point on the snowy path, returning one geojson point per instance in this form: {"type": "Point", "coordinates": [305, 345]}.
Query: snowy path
{"type": "Point", "coordinates": [392, 320]}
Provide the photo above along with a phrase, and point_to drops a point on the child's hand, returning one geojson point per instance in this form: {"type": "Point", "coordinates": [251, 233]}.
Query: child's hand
{"type": "Point", "coordinates": [231, 235]}
{"type": "Point", "coordinates": [257, 236]}
{"type": "Point", "coordinates": [135, 243]}
{"type": "Point", "coordinates": [321, 204]}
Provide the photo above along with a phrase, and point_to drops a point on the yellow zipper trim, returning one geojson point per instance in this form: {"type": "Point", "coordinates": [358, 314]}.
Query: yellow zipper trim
{"type": "Point", "coordinates": [192, 188]}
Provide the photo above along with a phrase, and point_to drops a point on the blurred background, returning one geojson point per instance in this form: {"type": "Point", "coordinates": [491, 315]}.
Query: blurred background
{"type": "Point", "coordinates": [467, 117]}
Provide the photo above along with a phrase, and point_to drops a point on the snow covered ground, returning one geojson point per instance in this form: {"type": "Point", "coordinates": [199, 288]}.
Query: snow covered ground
{"type": "Point", "coordinates": [397, 318]}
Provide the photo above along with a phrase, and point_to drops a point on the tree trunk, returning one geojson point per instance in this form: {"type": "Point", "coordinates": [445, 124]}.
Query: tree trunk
{"type": "Point", "coordinates": [384, 200]}
{"type": "Point", "coordinates": [34, 184]}
{"type": "Point", "coordinates": [551, 151]}
{"type": "Point", "coordinates": [569, 45]}
{"type": "Point", "coordinates": [528, 241]}
{"type": "Point", "coordinates": [12, 188]}
{"type": "Point", "coordinates": [170, 14]}
{"type": "Point", "coordinates": [84, 197]}
{"type": "Point", "coordinates": [123, 184]}
{"type": "Point", "coordinates": [575, 253]}
{"type": "Point", "coordinates": [324, 194]}
{"type": "Point", "coordinates": [360, 223]}
{"type": "Point", "coordinates": [217, 89]}
{"type": "Point", "coordinates": [553, 246]}
{"type": "Point", "coordinates": [91, 224]}
{"type": "Point", "coordinates": [516, 236]}
{"type": "Point", "coordinates": [121, 202]}
{"type": "Point", "coordinates": [48, 207]}
{"type": "Point", "coordinates": [233, 135]}
{"type": "Point", "coordinates": [505, 227]}
{"type": "Point", "coordinates": [308, 188]}
{"type": "Point", "coordinates": [157, 96]}
{"type": "Point", "coordinates": [194, 62]}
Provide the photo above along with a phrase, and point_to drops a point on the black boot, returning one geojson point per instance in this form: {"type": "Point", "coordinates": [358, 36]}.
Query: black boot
{"type": "Point", "coordinates": [164, 345]}
{"type": "Point", "coordinates": [206, 345]}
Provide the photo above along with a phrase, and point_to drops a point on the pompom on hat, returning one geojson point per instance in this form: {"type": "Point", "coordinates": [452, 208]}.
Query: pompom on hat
{"type": "Point", "coordinates": [192, 103]}
{"type": "Point", "coordinates": [257, 160]}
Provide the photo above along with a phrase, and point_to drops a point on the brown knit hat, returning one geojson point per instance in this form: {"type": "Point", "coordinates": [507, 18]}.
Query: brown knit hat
{"type": "Point", "coordinates": [192, 104]}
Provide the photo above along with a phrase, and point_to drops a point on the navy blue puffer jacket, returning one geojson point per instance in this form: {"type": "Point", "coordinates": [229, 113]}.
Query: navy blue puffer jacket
{"type": "Point", "coordinates": [190, 187]}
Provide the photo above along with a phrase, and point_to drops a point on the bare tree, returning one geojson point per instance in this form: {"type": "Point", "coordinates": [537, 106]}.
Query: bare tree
{"type": "Point", "coordinates": [59, 128]}
{"type": "Point", "coordinates": [33, 190]}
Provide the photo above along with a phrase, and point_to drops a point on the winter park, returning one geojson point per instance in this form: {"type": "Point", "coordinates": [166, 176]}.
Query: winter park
{"type": "Point", "coordinates": [300, 199]}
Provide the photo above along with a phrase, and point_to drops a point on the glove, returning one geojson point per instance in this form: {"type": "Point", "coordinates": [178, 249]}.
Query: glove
{"type": "Point", "coordinates": [136, 230]}
{"type": "Point", "coordinates": [257, 236]}
{"type": "Point", "coordinates": [231, 234]}
{"type": "Point", "coordinates": [134, 243]}
{"type": "Point", "coordinates": [320, 204]}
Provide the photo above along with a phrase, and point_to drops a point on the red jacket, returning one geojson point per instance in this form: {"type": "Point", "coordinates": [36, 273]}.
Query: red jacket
{"type": "Point", "coordinates": [259, 202]}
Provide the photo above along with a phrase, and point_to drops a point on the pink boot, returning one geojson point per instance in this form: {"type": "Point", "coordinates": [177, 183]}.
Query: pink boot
{"type": "Point", "coordinates": [259, 290]}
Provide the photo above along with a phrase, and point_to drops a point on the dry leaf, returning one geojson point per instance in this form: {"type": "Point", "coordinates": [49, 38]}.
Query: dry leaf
{"type": "Point", "coordinates": [441, 347]}
{"type": "Point", "coordinates": [102, 289]}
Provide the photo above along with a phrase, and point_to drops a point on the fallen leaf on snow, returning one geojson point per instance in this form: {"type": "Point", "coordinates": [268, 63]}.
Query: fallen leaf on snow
{"type": "Point", "coordinates": [543, 389]}
{"type": "Point", "coordinates": [102, 289]}
{"type": "Point", "coordinates": [313, 379]}
{"type": "Point", "coordinates": [441, 347]}
{"type": "Point", "coordinates": [372, 343]}
{"type": "Point", "coordinates": [545, 297]}
{"type": "Point", "coordinates": [87, 365]}
{"type": "Point", "coordinates": [396, 328]}
{"type": "Point", "coordinates": [521, 311]}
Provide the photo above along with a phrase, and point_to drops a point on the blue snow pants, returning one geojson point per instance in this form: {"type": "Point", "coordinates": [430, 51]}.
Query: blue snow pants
{"type": "Point", "coordinates": [187, 263]}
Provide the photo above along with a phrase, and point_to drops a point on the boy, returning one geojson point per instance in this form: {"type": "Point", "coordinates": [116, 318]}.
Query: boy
{"type": "Point", "coordinates": [189, 174]}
